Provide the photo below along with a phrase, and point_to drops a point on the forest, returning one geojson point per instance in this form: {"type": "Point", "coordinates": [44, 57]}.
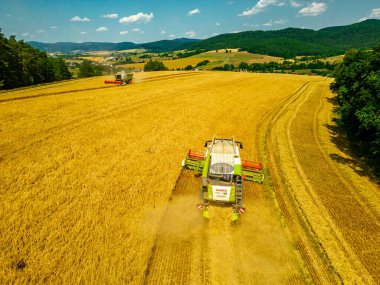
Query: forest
{"type": "Point", "coordinates": [357, 83]}
{"type": "Point", "coordinates": [22, 65]}
{"type": "Point", "coordinates": [291, 42]}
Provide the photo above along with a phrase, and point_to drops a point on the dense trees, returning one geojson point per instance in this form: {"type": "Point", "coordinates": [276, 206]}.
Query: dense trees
{"type": "Point", "coordinates": [203, 62]}
{"type": "Point", "coordinates": [189, 53]}
{"type": "Point", "coordinates": [87, 69]}
{"type": "Point", "coordinates": [357, 83]}
{"type": "Point", "coordinates": [22, 65]}
{"type": "Point", "coordinates": [317, 66]}
{"type": "Point", "coordinates": [154, 65]}
{"type": "Point", "coordinates": [60, 69]}
{"type": "Point", "coordinates": [243, 65]}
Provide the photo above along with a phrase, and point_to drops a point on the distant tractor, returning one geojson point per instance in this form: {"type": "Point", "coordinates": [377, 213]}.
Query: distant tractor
{"type": "Point", "coordinates": [223, 173]}
{"type": "Point", "coordinates": [121, 78]}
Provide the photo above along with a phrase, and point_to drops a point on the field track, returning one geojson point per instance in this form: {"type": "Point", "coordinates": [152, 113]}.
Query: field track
{"type": "Point", "coordinates": [348, 223]}
{"type": "Point", "coordinates": [192, 251]}
{"type": "Point", "coordinates": [92, 190]}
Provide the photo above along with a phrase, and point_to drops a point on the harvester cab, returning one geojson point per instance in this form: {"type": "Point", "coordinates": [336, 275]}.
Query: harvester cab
{"type": "Point", "coordinates": [223, 173]}
{"type": "Point", "coordinates": [121, 78]}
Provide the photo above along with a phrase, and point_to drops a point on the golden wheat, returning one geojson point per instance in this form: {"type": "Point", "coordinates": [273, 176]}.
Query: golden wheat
{"type": "Point", "coordinates": [87, 171]}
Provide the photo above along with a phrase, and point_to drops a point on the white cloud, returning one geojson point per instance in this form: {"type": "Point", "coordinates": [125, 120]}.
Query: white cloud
{"type": "Point", "coordinates": [190, 34]}
{"type": "Point", "coordinates": [250, 12]}
{"type": "Point", "coordinates": [231, 2]}
{"type": "Point", "coordinates": [217, 23]}
{"type": "Point", "coordinates": [281, 21]}
{"type": "Point", "coordinates": [111, 16]}
{"type": "Point", "coordinates": [193, 12]}
{"type": "Point", "coordinates": [314, 9]}
{"type": "Point", "coordinates": [123, 33]}
{"type": "Point", "coordinates": [83, 33]}
{"type": "Point", "coordinates": [276, 22]}
{"type": "Point", "coordinates": [163, 32]}
{"type": "Point", "coordinates": [172, 36]}
{"type": "Point", "coordinates": [102, 29]}
{"type": "Point", "coordinates": [375, 14]}
{"type": "Point", "coordinates": [79, 19]}
{"type": "Point", "coordinates": [235, 32]}
{"type": "Point", "coordinates": [40, 31]}
{"type": "Point", "coordinates": [137, 30]}
{"type": "Point", "coordinates": [53, 27]}
{"type": "Point", "coordinates": [28, 35]}
{"type": "Point", "coordinates": [139, 17]}
{"type": "Point", "coordinates": [214, 34]}
{"type": "Point", "coordinates": [251, 25]}
{"type": "Point", "coordinates": [259, 7]}
{"type": "Point", "coordinates": [295, 4]}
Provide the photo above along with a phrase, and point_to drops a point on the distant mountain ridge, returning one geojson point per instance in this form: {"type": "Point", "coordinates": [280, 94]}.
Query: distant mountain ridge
{"type": "Point", "coordinates": [286, 43]}
{"type": "Point", "coordinates": [158, 46]}
{"type": "Point", "coordinates": [291, 42]}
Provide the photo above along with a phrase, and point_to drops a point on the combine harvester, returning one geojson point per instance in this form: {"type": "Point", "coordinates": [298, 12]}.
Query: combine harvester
{"type": "Point", "coordinates": [121, 78]}
{"type": "Point", "coordinates": [223, 173]}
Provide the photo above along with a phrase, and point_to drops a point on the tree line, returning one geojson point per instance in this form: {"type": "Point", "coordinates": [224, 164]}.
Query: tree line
{"type": "Point", "coordinates": [155, 65]}
{"type": "Point", "coordinates": [276, 66]}
{"type": "Point", "coordinates": [22, 65]}
{"type": "Point", "coordinates": [88, 69]}
{"type": "Point", "coordinates": [357, 84]}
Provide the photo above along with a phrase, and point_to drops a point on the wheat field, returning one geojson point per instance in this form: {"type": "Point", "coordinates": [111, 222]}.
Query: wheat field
{"type": "Point", "coordinates": [92, 190]}
{"type": "Point", "coordinates": [171, 64]}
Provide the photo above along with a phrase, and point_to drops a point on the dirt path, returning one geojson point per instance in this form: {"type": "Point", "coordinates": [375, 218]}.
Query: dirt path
{"type": "Point", "coordinates": [190, 250]}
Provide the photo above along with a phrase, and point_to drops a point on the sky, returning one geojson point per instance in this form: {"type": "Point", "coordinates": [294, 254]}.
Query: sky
{"type": "Point", "coordinates": [141, 21]}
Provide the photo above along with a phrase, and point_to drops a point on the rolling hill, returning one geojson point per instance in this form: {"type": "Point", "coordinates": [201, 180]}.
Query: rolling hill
{"type": "Point", "coordinates": [285, 43]}
{"type": "Point", "coordinates": [291, 42]}
{"type": "Point", "coordinates": [158, 46]}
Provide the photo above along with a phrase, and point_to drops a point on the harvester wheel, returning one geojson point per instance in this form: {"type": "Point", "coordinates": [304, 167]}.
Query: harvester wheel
{"type": "Point", "coordinates": [206, 214]}
{"type": "Point", "coordinates": [234, 216]}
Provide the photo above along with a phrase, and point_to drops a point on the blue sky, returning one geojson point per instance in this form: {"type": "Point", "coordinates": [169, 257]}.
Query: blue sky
{"type": "Point", "coordinates": [150, 20]}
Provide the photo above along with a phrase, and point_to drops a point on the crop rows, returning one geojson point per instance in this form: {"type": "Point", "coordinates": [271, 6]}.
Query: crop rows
{"type": "Point", "coordinates": [88, 175]}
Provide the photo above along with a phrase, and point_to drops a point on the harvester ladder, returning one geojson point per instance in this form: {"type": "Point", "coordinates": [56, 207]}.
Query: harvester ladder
{"type": "Point", "coordinates": [239, 191]}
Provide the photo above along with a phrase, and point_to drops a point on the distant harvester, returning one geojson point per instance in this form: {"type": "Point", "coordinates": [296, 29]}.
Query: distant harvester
{"type": "Point", "coordinates": [121, 78]}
